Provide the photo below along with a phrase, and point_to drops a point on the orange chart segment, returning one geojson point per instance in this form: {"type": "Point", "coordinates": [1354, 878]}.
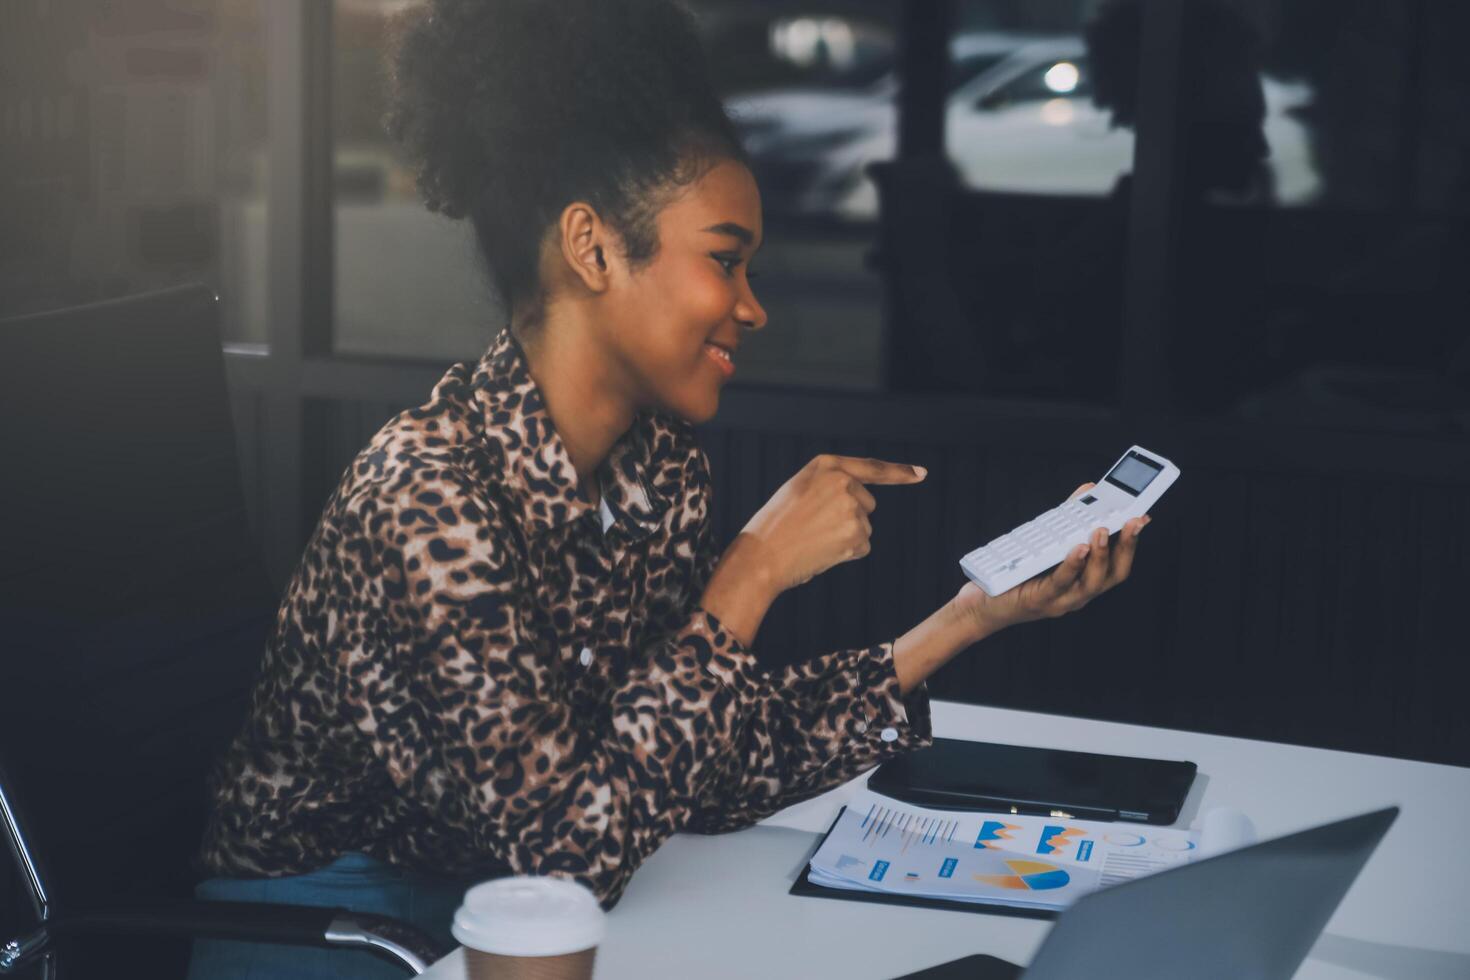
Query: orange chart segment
{"type": "Point", "coordinates": [1028, 875]}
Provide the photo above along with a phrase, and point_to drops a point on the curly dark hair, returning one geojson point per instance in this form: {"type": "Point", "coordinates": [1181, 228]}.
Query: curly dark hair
{"type": "Point", "coordinates": [515, 108]}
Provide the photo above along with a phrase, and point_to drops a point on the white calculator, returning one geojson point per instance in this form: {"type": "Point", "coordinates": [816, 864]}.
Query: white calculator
{"type": "Point", "coordinates": [1127, 491]}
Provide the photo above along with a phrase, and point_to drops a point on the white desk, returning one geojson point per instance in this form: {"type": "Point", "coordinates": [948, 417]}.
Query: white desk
{"type": "Point", "coordinates": [717, 906]}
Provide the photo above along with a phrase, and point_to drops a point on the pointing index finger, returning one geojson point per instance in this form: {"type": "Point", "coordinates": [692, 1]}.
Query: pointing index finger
{"type": "Point", "coordinates": [880, 471]}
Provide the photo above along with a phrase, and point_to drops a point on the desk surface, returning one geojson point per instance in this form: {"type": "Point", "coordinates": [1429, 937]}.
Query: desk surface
{"type": "Point", "coordinates": [717, 906]}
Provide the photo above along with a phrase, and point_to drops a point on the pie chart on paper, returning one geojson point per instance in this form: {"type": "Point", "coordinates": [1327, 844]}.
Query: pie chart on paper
{"type": "Point", "coordinates": [1028, 875]}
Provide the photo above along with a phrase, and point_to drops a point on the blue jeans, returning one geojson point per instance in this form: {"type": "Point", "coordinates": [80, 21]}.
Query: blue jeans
{"type": "Point", "coordinates": [354, 881]}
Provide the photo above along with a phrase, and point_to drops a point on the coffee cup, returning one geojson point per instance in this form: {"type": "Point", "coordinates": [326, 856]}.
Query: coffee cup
{"type": "Point", "coordinates": [528, 928]}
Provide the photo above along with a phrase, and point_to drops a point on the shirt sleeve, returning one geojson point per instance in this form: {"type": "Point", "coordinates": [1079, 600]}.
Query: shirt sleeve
{"type": "Point", "coordinates": [459, 691]}
{"type": "Point", "coordinates": [807, 727]}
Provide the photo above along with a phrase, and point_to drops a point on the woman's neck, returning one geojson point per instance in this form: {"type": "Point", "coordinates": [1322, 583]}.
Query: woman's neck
{"type": "Point", "coordinates": [579, 383]}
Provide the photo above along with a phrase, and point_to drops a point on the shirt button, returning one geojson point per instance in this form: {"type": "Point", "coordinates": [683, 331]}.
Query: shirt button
{"type": "Point", "coordinates": [586, 656]}
{"type": "Point", "coordinates": [862, 726]}
{"type": "Point", "coordinates": [889, 734]}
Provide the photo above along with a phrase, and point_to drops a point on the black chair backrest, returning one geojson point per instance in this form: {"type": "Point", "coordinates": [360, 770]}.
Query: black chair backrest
{"type": "Point", "coordinates": [133, 605]}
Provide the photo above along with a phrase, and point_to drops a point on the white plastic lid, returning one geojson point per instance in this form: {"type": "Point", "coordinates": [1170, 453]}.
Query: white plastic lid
{"type": "Point", "coordinates": [528, 916]}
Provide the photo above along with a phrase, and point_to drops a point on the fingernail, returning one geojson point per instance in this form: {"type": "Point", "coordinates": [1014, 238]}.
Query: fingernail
{"type": "Point", "coordinates": [919, 471]}
{"type": "Point", "coordinates": [1082, 551]}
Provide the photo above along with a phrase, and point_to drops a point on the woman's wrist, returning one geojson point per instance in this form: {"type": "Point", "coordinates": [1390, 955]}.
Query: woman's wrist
{"type": "Point", "coordinates": [981, 617]}
{"type": "Point", "coordinates": [931, 644]}
{"type": "Point", "coordinates": [741, 589]}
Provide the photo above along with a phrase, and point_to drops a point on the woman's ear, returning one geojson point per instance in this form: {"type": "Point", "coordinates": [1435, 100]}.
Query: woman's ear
{"type": "Point", "coordinates": [584, 245]}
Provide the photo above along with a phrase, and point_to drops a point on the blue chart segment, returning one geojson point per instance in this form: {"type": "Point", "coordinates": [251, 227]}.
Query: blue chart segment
{"type": "Point", "coordinates": [1056, 840]}
{"type": "Point", "coordinates": [1174, 843]}
{"type": "Point", "coordinates": [1123, 839]}
{"type": "Point", "coordinates": [1028, 875]}
{"type": "Point", "coordinates": [994, 830]}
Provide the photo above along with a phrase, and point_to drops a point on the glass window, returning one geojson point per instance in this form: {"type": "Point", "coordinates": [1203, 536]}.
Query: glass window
{"type": "Point", "coordinates": [1030, 121]}
{"type": "Point", "coordinates": [241, 167]}
{"type": "Point", "coordinates": [409, 282]}
{"type": "Point", "coordinates": [1325, 182]}
{"type": "Point", "coordinates": [814, 96]}
{"type": "Point", "coordinates": [812, 88]}
{"type": "Point", "coordinates": [134, 138]}
{"type": "Point", "coordinates": [1038, 249]}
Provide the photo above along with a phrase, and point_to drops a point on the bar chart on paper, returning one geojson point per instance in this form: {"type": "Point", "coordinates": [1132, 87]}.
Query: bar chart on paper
{"type": "Point", "coordinates": [879, 844]}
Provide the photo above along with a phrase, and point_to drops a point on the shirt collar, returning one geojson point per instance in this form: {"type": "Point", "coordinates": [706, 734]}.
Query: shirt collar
{"type": "Point", "coordinates": [639, 479]}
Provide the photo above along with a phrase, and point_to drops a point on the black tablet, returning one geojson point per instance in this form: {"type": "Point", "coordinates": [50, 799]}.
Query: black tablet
{"type": "Point", "coordinates": [958, 775]}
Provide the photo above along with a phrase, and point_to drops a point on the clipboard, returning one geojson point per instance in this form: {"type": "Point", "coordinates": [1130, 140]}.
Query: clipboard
{"type": "Point", "coordinates": [803, 886]}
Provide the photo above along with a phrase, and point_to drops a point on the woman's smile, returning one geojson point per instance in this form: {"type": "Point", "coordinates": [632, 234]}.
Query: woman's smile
{"type": "Point", "coordinates": [723, 358]}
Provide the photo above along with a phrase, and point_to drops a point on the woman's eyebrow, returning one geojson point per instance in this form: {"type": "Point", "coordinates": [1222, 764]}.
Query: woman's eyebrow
{"type": "Point", "coordinates": [741, 232]}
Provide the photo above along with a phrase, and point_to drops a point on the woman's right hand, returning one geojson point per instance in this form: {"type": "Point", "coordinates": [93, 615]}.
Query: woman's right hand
{"type": "Point", "coordinates": [819, 517]}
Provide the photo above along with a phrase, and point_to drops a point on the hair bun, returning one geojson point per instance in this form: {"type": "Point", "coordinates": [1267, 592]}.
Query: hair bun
{"type": "Point", "coordinates": [514, 108]}
{"type": "Point", "coordinates": [491, 96]}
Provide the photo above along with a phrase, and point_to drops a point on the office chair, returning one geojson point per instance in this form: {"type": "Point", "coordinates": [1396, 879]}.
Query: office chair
{"type": "Point", "coordinates": [133, 612]}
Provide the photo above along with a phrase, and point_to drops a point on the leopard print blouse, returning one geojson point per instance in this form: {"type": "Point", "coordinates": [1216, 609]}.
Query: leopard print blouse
{"type": "Point", "coordinates": [476, 672]}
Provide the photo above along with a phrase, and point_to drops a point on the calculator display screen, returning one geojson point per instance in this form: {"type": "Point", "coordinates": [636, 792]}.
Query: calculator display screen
{"type": "Point", "coordinates": [1134, 473]}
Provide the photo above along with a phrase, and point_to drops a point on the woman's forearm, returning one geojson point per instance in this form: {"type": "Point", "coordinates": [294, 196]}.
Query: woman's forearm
{"type": "Point", "coordinates": [740, 593]}
{"type": "Point", "coordinates": [930, 645]}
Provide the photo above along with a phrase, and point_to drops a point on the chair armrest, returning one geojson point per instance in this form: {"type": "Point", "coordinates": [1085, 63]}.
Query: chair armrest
{"type": "Point", "coordinates": [297, 925]}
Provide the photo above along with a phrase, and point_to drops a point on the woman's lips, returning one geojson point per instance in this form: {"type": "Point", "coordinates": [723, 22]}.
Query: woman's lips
{"type": "Point", "coordinates": [721, 357]}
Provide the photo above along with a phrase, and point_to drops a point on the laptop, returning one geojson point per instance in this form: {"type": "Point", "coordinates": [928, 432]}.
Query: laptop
{"type": "Point", "coordinates": [1253, 912]}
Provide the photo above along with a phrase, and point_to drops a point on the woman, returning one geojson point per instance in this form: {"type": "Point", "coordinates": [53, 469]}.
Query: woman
{"type": "Point", "coordinates": [511, 645]}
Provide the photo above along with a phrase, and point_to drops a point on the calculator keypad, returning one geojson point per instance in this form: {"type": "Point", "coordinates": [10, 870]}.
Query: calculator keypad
{"type": "Point", "coordinates": [1057, 529]}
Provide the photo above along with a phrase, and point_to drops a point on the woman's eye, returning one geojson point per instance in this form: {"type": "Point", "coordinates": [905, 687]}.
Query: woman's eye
{"type": "Point", "coordinates": [729, 262]}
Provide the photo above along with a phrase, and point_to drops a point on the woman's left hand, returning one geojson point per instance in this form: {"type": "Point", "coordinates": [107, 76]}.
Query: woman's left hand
{"type": "Point", "coordinates": [1087, 572]}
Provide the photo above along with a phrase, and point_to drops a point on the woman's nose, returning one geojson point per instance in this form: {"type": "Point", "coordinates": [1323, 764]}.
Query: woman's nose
{"type": "Point", "coordinates": [750, 314]}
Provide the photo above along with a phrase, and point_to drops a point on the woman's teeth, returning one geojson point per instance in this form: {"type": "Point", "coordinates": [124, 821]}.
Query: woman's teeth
{"type": "Point", "coordinates": [721, 357]}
